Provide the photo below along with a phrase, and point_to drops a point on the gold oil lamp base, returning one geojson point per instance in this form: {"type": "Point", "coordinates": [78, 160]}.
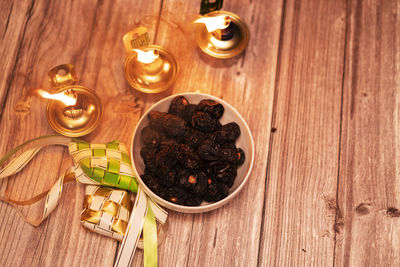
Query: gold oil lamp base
{"type": "Point", "coordinates": [77, 120]}
{"type": "Point", "coordinates": [82, 117]}
{"type": "Point", "coordinates": [152, 77]}
{"type": "Point", "coordinates": [229, 47]}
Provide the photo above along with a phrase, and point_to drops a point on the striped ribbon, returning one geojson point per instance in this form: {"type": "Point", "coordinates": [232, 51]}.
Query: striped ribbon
{"type": "Point", "coordinates": [106, 210]}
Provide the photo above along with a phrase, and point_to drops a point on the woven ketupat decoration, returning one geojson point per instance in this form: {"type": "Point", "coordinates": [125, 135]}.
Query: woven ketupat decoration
{"type": "Point", "coordinates": [105, 164]}
{"type": "Point", "coordinates": [106, 211]}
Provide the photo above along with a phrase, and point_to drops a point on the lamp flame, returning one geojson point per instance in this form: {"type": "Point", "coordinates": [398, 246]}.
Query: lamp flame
{"type": "Point", "coordinates": [66, 97]}
{"type": "Point", "coordinates": [146, 57]}
{"type": "Point", "coordinates": [215, 23]}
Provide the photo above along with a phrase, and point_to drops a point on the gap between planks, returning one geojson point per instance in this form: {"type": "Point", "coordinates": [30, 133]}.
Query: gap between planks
{"type": "Point", "coordinates": [338, 212]}
{"type": "Point", "coordinates": [143, 108]}
{"type": "Point", "coordinates": [273, 117]}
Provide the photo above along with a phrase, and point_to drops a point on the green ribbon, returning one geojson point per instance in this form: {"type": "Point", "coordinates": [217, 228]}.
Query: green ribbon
{"type": "Point", "coordinates": [150, 233]}
{"type": "Point", "coordinates": [16, 149]}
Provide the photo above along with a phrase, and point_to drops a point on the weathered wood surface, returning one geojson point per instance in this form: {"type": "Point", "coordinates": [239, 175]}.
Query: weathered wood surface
{"type": "Point", "coordinates": [54, 33]}
{"type": "Point", "coordinates": [302, 176]}
{"type": "Point", "coordinates": [324, 75]}
{"type": "Point", "coordinates": [368, 223]}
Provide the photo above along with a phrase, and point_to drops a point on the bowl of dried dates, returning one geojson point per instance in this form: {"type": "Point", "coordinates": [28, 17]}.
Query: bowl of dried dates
{"type": "Point", "coordinates": [192, 152]}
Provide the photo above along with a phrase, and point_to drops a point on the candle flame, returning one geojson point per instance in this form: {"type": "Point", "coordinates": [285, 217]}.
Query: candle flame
{"type": "Point", "coordinates": [66, 97]}
{"type": "Point", "coordinates": [146, 57]}
{"type": "Point", "coordinates": [214, 23]}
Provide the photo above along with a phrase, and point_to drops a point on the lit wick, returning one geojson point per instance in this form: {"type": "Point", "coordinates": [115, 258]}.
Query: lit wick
{"type": "Point", "coordinates": [220, 26]}
{"type": "Point", "coordinates": [147, 57]}
{"type": "Point", "coordinates": [75, 106]}
{"type": "Point", "coordinates": [152, 65]}
{"type": "Point", "coordinates": [67, 97]}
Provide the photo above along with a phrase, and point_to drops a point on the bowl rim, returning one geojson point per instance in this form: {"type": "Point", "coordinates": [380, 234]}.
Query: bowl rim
{"type": "Point", "coordinates": [202, 208]}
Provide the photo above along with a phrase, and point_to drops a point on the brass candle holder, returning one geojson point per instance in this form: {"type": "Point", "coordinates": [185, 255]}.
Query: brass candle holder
{"type": "Point", "coordinates": [73, 110]}
{"type": "Point", "coordinates": [222, 34]}
{"type": "Point", "coordinates": [148, 68]}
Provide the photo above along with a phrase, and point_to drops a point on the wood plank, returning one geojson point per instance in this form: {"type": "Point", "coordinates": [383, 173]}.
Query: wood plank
{"type": "Point", "coordinates": [15, 16]}
{"type": "Point", "coordinates": [368, 225]}
{"type": "Point", "coordinates": [302, 176]}
{"type": "Point", "coordinates": [89, 35]}
{"type": "Point", "coordinates": [230, 235]}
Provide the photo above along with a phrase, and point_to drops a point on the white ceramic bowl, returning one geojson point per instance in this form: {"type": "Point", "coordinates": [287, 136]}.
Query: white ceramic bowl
{"type": "Point", "coordinates": [245, 141]}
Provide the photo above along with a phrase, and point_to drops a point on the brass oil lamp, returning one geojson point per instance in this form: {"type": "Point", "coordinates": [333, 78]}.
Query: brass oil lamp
{"type": "Point", "coordinates": [73, 110]}
{"type": "Point", "coordinates": [221, 34]}
{"type": "Point", "coordinates": [148, 68]}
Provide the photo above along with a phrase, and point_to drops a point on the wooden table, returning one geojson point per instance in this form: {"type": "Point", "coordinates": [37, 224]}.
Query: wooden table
{"type": "Point", "coordinates": [319, 86]}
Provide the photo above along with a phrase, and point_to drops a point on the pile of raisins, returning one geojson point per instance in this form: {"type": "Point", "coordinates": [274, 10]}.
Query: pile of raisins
{"type": "Point", "coordinates": [188, 155]}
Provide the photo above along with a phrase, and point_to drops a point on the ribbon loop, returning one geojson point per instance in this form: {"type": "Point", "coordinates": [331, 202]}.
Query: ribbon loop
{"type": "Point", "coordinates": [106, 210]}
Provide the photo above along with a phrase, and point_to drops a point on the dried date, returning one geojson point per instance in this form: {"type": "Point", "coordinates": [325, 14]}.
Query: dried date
{"type": "Point", "coordinates": [173, 125]}
{"type": "Point", "coordinates": [189, 112]}
{"type": "Point", "coordinates": [178, 106]}
{"type": "Point", "coordinates": [151, 182]}
{"type": "Point", "coordinates": [165, 159]}
{"type": "Point", "coordinates": [176, 195]}
{"type": "Point", "coordinates": [188, 157]}
{"type": "Point", "coordinates": [201, 186]}
{"type": "Point", "coordinates": [212, 192]}
{"type": "Point", "coordinates": [209, 151]}
{"type": "Point", "coordinates": [227, 134]}
{"type": "Point", "coordinates": [150, 136]}
{"type": "Point", "coordinates": [241, 156]}
{"type": "Point", "coordinates": [205, 122]}
{"type": "Point", "coordinates": [194, 138]}
{"type": "Point", "coordinates": [169, 123]}
{"type": "Point", "coordinates": [169, 179]}
{"type": "Point", "coordinates": [222, 191]}
{"type": "Point", "coordinates": [212, 107]}
{"type": "Point", "coordinates": [156, 119]}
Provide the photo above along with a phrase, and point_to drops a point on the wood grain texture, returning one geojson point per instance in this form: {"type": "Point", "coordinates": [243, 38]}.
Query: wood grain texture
{"type": "Point", "coordinates": [302, 176]}
{"type": "Point", "coordinates": [318, 85]}
{"type": "Point", "coordinates": [369, 183]}
{"type": "Point", "coordinates": [57, 33]}
{"type": "Point", "coordinates": [12, 30]}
